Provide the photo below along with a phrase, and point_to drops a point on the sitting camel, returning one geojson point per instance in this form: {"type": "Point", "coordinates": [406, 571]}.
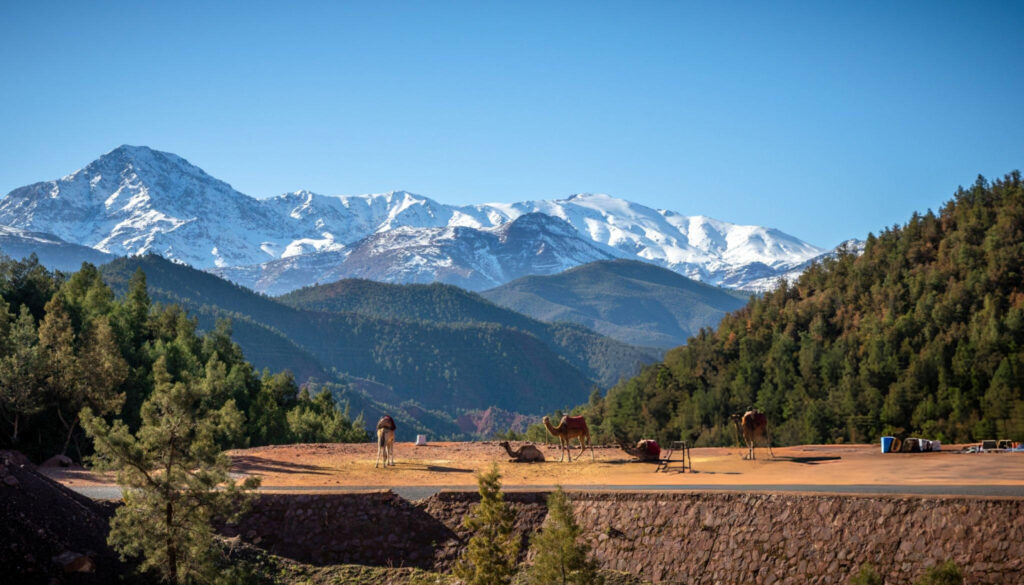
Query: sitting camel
{"type": "Point", "coordinates": [524, 454]}
{"type": "Point", "coordinates": [569, 428]}
{"type": "Point", "coordinates": [645, 450]}
{"type": "Point", "coordinates": [386, 440]}
{"type": "Point", "coordinates": [754, 427]}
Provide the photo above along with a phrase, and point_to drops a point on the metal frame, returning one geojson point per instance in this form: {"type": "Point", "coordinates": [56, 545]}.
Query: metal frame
{"type": "Point", "coordinates": [685, 463]}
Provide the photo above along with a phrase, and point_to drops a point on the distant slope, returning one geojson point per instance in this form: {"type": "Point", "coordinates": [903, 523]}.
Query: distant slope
{"type": "Point", "coordinates": [634, 302]}
{"type": "Point", "coordinates": [440, 366]}
{"type": "Point", "coordinates": [602, 359]}
{"type": "Point", "coordinates": [53, 252]}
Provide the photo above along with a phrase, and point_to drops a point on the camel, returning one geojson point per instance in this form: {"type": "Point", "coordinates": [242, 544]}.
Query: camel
{"type": "Point", "coordinates": [754, 426]}
{"type": "Point", "coordinates": [524, 454]}
{"type": "Point", "coordinates": [569, 428]}
{"type": "Point", "coordinates": [644, 450]}
{"type": "Point", "coordinates": [386, 441]}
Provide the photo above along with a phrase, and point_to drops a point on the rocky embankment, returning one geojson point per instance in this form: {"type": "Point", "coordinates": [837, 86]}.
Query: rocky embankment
{"type": "Point", "coordinates": [48, 533]}
{"type": "Point", "coordinates": [692, 538]}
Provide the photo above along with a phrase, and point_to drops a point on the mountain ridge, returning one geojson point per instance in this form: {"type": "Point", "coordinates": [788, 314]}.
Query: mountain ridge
{"type": "Point", "coordinates": [634, 302]}
{"type": "Point", "coordinates": [135, 199]}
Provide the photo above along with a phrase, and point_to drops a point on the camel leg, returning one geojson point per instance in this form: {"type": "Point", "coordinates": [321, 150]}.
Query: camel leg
{"type": "Point", "coordinates": [591, 443]}
{"type": "Point", "coordinates": [380, 446]}
{"type": "Point", "coordinates": [567, 448]}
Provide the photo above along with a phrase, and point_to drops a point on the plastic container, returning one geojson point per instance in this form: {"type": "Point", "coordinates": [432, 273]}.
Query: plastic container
{"type": "Point", "coordinates": [421, 440]}
{"type": "Point", "coordinates": [887, 444]}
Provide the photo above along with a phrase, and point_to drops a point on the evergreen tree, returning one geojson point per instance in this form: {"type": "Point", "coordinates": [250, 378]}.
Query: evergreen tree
{"type": "Point", "coordinates": [318, 419]}
{"type": "Point", "coordinates": [174, 478]}
{"type": "Point", "coordinates": [490, 555]}
{"type": "Point", "coordinates": [20, 391]}
{"type": "Point", "coordinates": [559, 557]}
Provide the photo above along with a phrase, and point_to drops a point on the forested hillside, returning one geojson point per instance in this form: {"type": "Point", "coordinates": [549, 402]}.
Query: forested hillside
{"type": "Point", "coordinates": [67, 343]}
{"type": "Point", "coordinates": [922, 334]}
{"type": "Point", "coordinates": [632, 301]}
{"type": "Point", "coordinates": [602, 359]}
{"type": "Point", "coordinates": [444, 366]}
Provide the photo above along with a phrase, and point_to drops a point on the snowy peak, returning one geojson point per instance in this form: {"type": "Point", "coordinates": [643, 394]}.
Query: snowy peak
{"type": "Point", "coordinates": [135, 200]}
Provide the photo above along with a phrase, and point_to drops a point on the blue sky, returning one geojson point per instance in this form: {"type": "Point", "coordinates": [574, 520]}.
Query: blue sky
{"type": "Point", "coordinates": [825, 120]}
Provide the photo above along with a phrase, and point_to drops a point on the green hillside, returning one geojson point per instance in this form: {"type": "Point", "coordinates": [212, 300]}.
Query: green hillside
{"type": "Point", "coordinates": [440, 366]}
{"type": "Point", "coordinates": [634, 302]}
{"type": "Point", "coordinates": [922, 334]}
{"type": "Point", "coordinates": [66, 344]}
{"type": "Point", "coordinates": [602, 359]}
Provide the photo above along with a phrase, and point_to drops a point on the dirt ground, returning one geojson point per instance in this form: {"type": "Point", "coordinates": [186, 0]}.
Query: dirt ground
{"type": "Point", "coordinates": [453, 464]}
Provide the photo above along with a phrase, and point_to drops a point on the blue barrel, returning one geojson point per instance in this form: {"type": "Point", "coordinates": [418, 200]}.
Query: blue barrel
{"type": "Point", "coordinates": [887, 444]}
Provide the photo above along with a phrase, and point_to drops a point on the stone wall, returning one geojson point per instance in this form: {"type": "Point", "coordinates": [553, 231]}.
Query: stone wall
{"type": "Point", "coordinates": [692, 538]}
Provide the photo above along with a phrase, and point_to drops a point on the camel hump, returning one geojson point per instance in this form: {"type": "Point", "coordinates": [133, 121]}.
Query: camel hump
{"type": "Point", "coordinates": [575, 422]}
{"type": "Point", "coordinates": [386, 422]}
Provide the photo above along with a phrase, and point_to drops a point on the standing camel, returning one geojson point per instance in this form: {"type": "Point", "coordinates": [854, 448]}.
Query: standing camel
{"type": "Point", "coordinates": [754, 427]}
{"type": "Point", "coordinates": [569, 428]}
{"type": "Point", "coordinates": [524, 454]}
{"type": "Point", "coordinates": [386, 440]}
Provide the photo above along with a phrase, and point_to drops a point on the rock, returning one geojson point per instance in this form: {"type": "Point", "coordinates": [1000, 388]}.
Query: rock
{"type": "Point", "coordinates": [73, 562]}
{"type": "Point", "coordinates": [10, 481]}
{"type": "Point", "coordinates": [57, 461]}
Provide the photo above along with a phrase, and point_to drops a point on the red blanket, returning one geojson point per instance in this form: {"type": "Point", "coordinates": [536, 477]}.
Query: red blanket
{"type": "Point", "coordinates": [650, 448]}
{"type": "Point", "coordinates": [575, 422]}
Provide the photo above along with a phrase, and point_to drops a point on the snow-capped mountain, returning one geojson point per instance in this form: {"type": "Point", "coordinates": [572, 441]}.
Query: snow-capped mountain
{"type": "Point", "coordinates": [134, 200]}
{"type": "Point", "coordinates": [699, 247]}
{"type": "Point", "coordinates": [471, 258]}
{"type": "Point", "coordinates": [851, 246]}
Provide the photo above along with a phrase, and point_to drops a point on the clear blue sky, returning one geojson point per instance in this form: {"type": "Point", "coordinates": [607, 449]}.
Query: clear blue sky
{"type": "Point", "coordinates": [825, 121]}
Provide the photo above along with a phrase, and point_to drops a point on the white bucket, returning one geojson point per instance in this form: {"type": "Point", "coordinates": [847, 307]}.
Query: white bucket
{"type": "Point", "coordinates": [421, 440]}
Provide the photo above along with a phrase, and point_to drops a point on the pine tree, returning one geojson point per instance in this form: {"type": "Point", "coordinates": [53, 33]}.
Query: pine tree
{"type": "Point", "coordinates": [318, 419]}
{"type": "Point", "coordinates": [559, 557]}
{"type": "Point", "coordinates": [20, 393]}
{"type": "Point", "coordinates": [174, 477]}
{"type": "Point", "coordinates": [490, 556]}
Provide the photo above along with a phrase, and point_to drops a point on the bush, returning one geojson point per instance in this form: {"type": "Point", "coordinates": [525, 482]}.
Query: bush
{"type": "Point", "coordinates": [945, 574]}
{"type": "Point", "coordinates": [866, 576]}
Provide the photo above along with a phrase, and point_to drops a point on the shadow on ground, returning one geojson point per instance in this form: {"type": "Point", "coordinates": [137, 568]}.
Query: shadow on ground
{"type": "Point", "coordinates": [254, 463]}
{"type": "Point", "coordinates": [807, 460]}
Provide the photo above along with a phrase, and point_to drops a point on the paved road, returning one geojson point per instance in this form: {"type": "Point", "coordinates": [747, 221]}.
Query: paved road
{"type": "Point", "coordinates": [419, 492]}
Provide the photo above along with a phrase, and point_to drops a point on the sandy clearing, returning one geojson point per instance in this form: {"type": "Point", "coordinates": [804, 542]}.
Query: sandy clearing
{"type": "Point", "coordinates": [339, 465]}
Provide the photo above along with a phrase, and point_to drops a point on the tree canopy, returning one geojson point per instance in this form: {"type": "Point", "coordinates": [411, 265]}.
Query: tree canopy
{"type": "Point", "coordinates": [67, 343]}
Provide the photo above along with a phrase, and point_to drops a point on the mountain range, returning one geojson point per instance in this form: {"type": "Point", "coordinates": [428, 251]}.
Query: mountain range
{"type": "Point", "coordinates": [135, 200]}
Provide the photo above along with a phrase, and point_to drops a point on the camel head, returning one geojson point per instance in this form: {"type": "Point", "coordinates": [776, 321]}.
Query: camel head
{"type": "Point", "coordinates": [546, 420]}
{"type": "Point", "coordinates": [504, 444]}
{"type": "Point", "coordinates": [736, 418]}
